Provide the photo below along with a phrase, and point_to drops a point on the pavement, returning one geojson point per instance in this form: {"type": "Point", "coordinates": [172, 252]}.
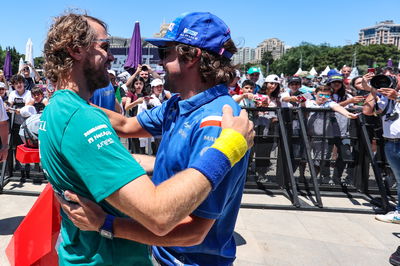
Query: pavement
{"type": "Point", "coordinates": [271, 237]}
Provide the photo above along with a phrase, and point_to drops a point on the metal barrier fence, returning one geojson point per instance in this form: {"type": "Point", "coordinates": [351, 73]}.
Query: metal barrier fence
{"type": "Point", "coordinates": [301, 152]}
{"type": "Point", "coordinates": [305, 151]}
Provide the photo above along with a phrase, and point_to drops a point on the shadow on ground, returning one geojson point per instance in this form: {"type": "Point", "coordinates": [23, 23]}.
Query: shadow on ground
{"type": "Point", "coordinates": [239, 239]}
{"type": "Point", "coordinates": [8, 225]}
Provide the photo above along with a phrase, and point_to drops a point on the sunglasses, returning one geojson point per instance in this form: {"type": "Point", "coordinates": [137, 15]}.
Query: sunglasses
{"type": "Point", "coordinates": [105, 44]}
{"type": "Point", "coordinates": [324, 95]}
{"type": "Point", "coordinates": [26, 69]}
{"type": "Point", "coordinates": [163, 51]}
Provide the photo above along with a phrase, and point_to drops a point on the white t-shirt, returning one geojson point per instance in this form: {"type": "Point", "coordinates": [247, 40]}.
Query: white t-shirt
{"type": "Point", "coordinates": [391, 129]}
{"type": "Point", "coordinates": [244, 102]}
{"type": "Point", "coordinates": [15, 98]}
{"type": "Point", "coordinates": [313, 104]}
{"type": "Point", "coordinates": [3, 113]}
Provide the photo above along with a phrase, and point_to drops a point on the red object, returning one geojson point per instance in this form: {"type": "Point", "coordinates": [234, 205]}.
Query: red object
{"type": "Point", "coordinates": [27, 155]}
{"type": "Point", "coordinates": [33, 243]}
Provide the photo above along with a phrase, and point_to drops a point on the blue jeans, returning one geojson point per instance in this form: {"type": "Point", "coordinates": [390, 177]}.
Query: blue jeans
{"type": "Point", "coordinates": [392, 152]}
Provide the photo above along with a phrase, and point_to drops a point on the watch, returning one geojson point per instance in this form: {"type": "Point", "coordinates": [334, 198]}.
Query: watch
{"type": "Point", "coordinates": [107, 229]}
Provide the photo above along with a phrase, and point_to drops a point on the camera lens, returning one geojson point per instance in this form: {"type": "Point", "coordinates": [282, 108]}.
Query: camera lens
{"type": "Point", "coordinates": [382, 81]}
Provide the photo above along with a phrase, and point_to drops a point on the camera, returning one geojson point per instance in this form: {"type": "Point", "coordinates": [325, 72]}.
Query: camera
{"type": "Point", "coordinates": [392, 116]}
{"type": "Point", "coordinates": [383, 81]}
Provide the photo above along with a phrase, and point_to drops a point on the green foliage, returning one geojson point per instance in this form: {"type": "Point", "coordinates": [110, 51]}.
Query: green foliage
{"type": "Point", "coordinates": [320, 56]}
{"type": "Point", "coordinates": [15, 56]}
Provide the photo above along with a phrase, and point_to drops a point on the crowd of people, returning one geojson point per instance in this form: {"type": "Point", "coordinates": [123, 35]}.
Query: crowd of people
{"type": "Point", "coordinates": [179, 125]}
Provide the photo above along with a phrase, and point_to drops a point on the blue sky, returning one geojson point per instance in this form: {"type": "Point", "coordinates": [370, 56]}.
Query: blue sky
{"type": "Point", "coordinates": [335, 22]}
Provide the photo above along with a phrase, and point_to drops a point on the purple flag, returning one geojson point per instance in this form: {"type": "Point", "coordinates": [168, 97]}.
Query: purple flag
{"type": "Point", "coordinates": [389, 62]}
{"type": "Point", "coordinates": [135, 50]}
{"type": "Point", "coordinates": [7, 68]}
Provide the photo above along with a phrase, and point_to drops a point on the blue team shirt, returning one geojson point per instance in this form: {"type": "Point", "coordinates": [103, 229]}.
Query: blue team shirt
{"type": "Point", "coordinates": [188, 127]}
{"type": "Point", "coordinates": [104, 97]}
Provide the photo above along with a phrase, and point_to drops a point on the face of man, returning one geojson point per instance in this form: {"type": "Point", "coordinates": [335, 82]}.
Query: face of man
{"type": "Point", "coordinates": [346, 72]}
{"type": "Point", "coordinates": [144, 74]}
{"type": "Point", "coordinates": [323, 96]}
{"type": "Point", "coordinates": [98, 60]}
{"type": "Point", "coordinates": [294, 86]}
{"type": "Point", "coordinates": [254, 77]}
{"type": "Point", "coordinates": [247, 89]}
{"type": "Point", "coordinates": [37, 97]}
{"type": "Point", "coordinates": [26, 71]}
{"type": "Point", "coordinates": [172, 66]}
{"type": "Point", "coordinates": [19, 87]}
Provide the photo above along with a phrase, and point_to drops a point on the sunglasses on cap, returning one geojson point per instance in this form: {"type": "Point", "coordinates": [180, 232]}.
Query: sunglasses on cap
{"type": "Point", "coordinates": [163, 51]}
{"type": "Point", "coordinates": [324, 95]}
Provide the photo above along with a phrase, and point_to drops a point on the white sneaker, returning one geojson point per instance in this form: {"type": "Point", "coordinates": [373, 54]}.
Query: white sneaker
{"type": "Point", "coordinates": [390, 217]}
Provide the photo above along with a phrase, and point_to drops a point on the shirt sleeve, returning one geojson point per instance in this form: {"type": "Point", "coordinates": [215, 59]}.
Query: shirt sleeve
{"type": "Point", "coordinates": [204, 137]}
{"type": "Point", "coordinates": [3, 113]}
{"type": "Point", "coordinates": [152, 120]}
{"type": "Point", "coordinates": [96, 154]}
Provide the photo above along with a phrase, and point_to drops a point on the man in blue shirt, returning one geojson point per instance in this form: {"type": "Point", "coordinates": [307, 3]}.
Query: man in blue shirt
{"type": "Point", "coordinates": [195, 54]}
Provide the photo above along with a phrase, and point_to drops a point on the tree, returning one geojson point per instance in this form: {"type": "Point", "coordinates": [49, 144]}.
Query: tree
{"type": "Point", "coordinates": [266, 59]}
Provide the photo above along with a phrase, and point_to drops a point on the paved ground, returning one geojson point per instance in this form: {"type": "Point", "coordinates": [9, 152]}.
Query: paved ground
{"type": "Point", "coordinates": [274, 237]}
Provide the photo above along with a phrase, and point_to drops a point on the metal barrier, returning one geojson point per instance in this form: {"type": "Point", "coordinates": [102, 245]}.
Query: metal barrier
{"type": "Point", "coordinates": [304, 157]}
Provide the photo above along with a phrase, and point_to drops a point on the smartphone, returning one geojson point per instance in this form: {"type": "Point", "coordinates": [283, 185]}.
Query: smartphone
{"type": "Point", "coordinates": [371, 70]}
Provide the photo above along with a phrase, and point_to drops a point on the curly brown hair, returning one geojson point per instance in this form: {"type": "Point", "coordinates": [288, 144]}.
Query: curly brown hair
{"type": "Point", "coordinates": [68, 31]}
{"type": "Point", "coordinates": [213, 66]}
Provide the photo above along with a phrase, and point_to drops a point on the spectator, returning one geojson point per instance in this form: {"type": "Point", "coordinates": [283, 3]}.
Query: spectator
{"type": "Point", "coordinates": [3, 92]}
{"type": "Point", "coordinates": [18, 99]}
{"type": "Point", "coordinates": [4, 81]}
{"type": "Point", "coordinates": [148, 74]}
{"type": "Point", "coordinates": [346, 71]}
{"type": "Point", "coordinates": [315, 125]}
{"type": "Point", "coordinates": [290, 98]}
{"type": "Point", "coordinates": [4, 130]}
{"type": "Point", "coordinates": [105, 97]}
{"type": "Point", "coordinates": [120, 94]}
{"type": "Point", "coordinates": [38, 101]}
{"type": "Point", "coordinates": [266, 124]}
{"type": "Point", "coordinates": [245, 98]}
{"type": "Point", "coordinates": [158, 92]}
{"type": "Point", "coordinates": [386, 100]}
{"type": "Point", "coordinates": [234, 88]}
{"type": "Point", "coordinates": [253, 74]}
{"type": "Point", "coordinates": [26, 72]}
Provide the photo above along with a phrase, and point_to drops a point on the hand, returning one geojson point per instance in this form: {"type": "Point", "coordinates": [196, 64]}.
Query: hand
{"type": "Point", "coordinates": [352, 116]}
{"type": "Point", "coordinates": [240, 123]}
{"type": "Point", "coordinates": [3, 153]}
{"type": "Point", "coordinates": [140, 100]}
{"type": "Point", "coordinates": [366, 79]}
{"type": "Point", "coordinates": [139, 68]}
{"type": "Point", "coordinates": [148, 67]}
{"type": "Point", "coordinates": [249, 96]}
{"type": "Point", "coordinates": [86, 215]}
{"type": "Point", "coordinates": [388, 93]}
{"type": "Point", "coordinates": [357, 99]}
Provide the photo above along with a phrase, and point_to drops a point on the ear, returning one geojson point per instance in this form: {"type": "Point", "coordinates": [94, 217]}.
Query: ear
{"type": "Point", "coordinates": [196, 59]}
{"type": "Point", "coordinates": [76, 53]}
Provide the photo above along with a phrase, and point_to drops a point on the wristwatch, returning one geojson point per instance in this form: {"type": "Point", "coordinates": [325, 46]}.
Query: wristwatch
{"type": "Point", "coordinates": [398, 98]}
{"type": "Point", "coordinates": [107, 229]}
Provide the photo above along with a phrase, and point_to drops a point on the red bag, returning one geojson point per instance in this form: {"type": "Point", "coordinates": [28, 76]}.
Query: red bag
{"type": "Point", "coordinates": [33, 243]}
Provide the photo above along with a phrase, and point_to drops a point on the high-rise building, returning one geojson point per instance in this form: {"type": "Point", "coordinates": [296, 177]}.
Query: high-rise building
{"type": "Point", "coordinates": [244, 55]}
{"type": "Point", "coordinates": [273, 45]}
{"type": "Point", "coordinates": [385, 32]}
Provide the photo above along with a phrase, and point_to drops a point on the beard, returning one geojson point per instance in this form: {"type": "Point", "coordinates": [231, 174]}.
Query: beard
{"type": "Point", "coordinates": [96, 77]}
{"type": "Point", "coordinates": [169, 83]}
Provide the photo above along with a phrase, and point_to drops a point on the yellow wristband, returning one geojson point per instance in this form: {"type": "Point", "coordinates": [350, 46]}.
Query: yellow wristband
{"type": "Point", "coordinates": [232, 144]}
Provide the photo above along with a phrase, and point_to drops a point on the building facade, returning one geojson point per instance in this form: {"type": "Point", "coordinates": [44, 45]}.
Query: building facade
{"type": "Point", "coordinates": [244, 55]}
{"type": "Point", "coordinates": [273, 45]}
{"type": "Point", "coordinates": [385, 32]}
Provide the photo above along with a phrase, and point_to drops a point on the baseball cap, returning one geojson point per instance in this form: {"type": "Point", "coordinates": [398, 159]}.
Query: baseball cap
{"type": "Point", "coordinates": [156, 82]}
{"type": "Point", "coordinates": [294, 80]}
{"type": "Point", "coordinates": [253, 70]}
{"type": "Point", "coordinates": [2, 85]}
{"type": "Point", "coordinates": [335, 78]}
{"type": "Point", "coordinates": [272, 79]}
{"type": "Point", "coordinates": [112, 72]}
{"type": "Point", "coordinates": [200, 29]}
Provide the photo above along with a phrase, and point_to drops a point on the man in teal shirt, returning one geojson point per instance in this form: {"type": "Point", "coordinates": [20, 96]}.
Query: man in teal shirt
{"type": "Point", "coordinates": [80, 152]}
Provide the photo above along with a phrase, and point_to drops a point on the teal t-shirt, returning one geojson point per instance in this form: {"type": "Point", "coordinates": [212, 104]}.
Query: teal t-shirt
{"type": "Point", "coordinates": [81, 152]}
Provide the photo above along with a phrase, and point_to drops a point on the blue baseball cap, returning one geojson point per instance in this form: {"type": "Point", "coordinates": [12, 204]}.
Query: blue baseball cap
{"type": "Point", "coordinates": [199, 29]}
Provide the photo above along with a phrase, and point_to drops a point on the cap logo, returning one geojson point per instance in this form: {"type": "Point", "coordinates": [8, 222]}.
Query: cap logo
{"type": "Point", "coordinates": [190, 32]}
{"type": "Point", "coordinates": [171, 26]}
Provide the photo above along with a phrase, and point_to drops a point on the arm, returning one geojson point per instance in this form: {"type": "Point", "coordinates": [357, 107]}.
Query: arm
{"type": "Point", "coordinates": [4, 139]}
{"type": "Point", "coordinates": [146, 161]}
{"type": "Point", "coordinates": [153, 73]}
{"type": "Point", "coordinates": [88, 216]}
{"type": "Point", "coordinates": [118, 108]}
{"type": "Point", "coordinates": [341, 110]}
{"type": "Point", "coordinates": [131, 78]}
{"type": "Point", "coordinates": [369, 104]}
{"type": "Point", "coordinates": [129, 104]}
